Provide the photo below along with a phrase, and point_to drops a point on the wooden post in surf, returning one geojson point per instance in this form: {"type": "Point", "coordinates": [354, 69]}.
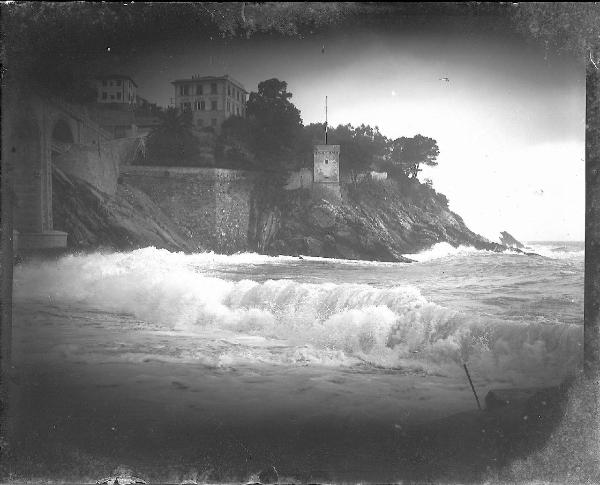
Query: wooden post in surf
{"type": "Point", "coordinates": [591, 318]}
{"type": "Point", "coordinates": [472, 386]}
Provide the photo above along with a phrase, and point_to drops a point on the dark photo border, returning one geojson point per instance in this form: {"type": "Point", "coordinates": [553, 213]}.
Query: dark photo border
{"type": "Point", "coordinates": [567, 27]}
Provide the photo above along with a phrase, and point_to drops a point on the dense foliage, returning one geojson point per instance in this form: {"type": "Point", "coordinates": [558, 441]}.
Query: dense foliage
{"type": "Point", "coordinates": [272, 137]}
{"type": "Point", "coordinates": [269, 136]}
{"type": "Point", "coordinates": [173, 141]}
{"type": "Point", "coordinates": [360, 148]}
{"type": "Point", "coordinates": [409, 153]}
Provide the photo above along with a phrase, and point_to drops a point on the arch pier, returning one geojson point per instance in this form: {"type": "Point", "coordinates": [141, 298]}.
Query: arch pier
{"type": "Point", "coordinates": [38, 133]}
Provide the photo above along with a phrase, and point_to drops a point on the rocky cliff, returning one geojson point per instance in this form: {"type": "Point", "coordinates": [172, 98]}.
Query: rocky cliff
{"type": "Point", "coordinates": [374, 221]}
{"type": "Point", "coordinates": [127, 219]}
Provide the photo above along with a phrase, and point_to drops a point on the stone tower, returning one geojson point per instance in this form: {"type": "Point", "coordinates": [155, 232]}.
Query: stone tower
{"type": "Point", "coordinates": [327, 168]}
{"type": "Point", "coordinates": [327, 164]}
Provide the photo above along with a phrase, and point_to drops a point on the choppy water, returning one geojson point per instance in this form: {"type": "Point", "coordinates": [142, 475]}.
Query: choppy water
{"type": "Point", "coordinates": [506, 315]}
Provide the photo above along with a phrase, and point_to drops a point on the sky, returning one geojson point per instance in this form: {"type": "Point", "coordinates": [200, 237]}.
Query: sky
{"type": "Point", "coordinates": [510, 123]}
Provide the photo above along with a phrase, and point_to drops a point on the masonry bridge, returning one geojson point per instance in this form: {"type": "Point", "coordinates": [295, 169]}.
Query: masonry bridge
{"type": "Point", "coordinates": [39, 134]}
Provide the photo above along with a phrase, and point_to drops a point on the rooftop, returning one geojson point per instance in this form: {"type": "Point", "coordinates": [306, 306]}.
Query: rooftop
{"type": "Point", "coordinates": [116, 76]}
{"type": "Point", "coordinates": [211, 78]}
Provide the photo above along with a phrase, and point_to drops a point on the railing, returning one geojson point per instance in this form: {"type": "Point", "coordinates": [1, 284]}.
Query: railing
{"type": "Point", "coordinates": [60, 147]}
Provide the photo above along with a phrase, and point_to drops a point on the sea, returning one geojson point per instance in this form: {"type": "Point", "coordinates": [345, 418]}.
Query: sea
{"type": "Point", "coordinates": [333, 334]}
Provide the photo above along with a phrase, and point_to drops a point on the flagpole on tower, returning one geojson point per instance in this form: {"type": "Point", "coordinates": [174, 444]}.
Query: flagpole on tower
{"type": "Point", "coordinates": [325, 120]}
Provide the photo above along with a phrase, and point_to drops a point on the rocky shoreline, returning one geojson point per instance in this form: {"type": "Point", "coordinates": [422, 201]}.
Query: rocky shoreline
{"type": "Point", "coordinates": [377, 221]}
{"type": "Point", "coordinates": [374, 221]}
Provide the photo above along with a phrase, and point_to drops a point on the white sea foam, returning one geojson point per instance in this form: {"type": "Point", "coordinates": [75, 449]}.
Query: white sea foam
{"type": "Point", "coordinates": [445, 250]}
{"type": "Point", "coordinates": [558, 251]}
{"type": "Point", "coordinates": [291, 322]}
{"type": "Point", "coordinates": [211, 258]}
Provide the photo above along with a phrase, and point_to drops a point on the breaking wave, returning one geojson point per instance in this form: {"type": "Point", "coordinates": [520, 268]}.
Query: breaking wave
{"type": "Point", "coordinates": [568, 251]}
{"type": "Point", "coordinates": [445, 250]}
{"type": "Point", "coordinates": [294, 321]}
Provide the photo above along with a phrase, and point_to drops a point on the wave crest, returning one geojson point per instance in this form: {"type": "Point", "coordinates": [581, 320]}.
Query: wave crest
{"type": "Point", "coordinates": [445, 250]}
{"type": "Point", "coordinates": [340, 323]}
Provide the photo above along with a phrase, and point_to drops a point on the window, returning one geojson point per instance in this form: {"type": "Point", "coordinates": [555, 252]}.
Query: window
{"type": "Point", "coordinates": [118, 83]}
{"type": "Point", "coordinates": [184, 90]}
{"type": "Point", "coordinates": [112, 96]}
{"type": "Point", "coordinates": [118, 95]}
{"type": "Point", "coordinates": [213, 88]}
{"type": "Point", "coordinates": [213, 121]}
{"type": "Point", "coordinates": [104, 83]}
{"type": "Point", "coordinates": [228, 90]}
{"type": "Point", "coordinates": [202, 105]}
{"type": "Point", "coordinates": [228, 106]}
{"type": "Point", "coordinates": [237, 110]}
{"type": "Point", "coordinates": [104, 95]}
{"type": "Point", "coordinates": [199, 89]}
{"type": "Point", "coordinates": [213, 105]}
{"type": "Point", "coordinates": [237, 95]}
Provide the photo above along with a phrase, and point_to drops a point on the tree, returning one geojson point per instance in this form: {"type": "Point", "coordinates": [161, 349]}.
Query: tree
{"type": "Point", "coordinates": [276, 122]}
{"type": "Point", "coordinates": [360, 148]}
{"type": "Point", "coordinates": [172, 141]}
{"type": "Point", "coordinates": [270, 137]}
{"type": "Point", "coordinates": [235, 145]}
{"type": "Point", "coordinates": [410, 153]}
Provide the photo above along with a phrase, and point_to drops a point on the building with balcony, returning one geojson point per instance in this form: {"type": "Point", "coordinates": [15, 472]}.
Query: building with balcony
{"type": "Point", "coordinates": [210, 99]}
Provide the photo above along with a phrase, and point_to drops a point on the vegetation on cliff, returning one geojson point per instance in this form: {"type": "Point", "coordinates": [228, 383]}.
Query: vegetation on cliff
{"type": "Point", "coordinates": [270, 137]}
{"type": "Point", "coordinates": [172, 142]}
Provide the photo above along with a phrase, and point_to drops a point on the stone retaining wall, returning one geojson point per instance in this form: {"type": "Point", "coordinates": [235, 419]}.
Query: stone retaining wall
{"type": "Point", "coordinates": [212, 206]}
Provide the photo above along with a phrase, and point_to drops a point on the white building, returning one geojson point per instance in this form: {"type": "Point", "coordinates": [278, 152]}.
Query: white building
{"type": "Point", "coordinates": [116, 89]}
{"type": "Point", "coordinates": [210, 99]}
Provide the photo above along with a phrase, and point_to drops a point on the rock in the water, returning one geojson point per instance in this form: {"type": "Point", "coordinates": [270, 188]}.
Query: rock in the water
{"type": "Point", "coordinates": [508, 240]}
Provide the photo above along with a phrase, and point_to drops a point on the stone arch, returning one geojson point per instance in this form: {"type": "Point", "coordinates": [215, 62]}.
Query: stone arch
{"type": "Point", "coordinates": [61, 132]}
